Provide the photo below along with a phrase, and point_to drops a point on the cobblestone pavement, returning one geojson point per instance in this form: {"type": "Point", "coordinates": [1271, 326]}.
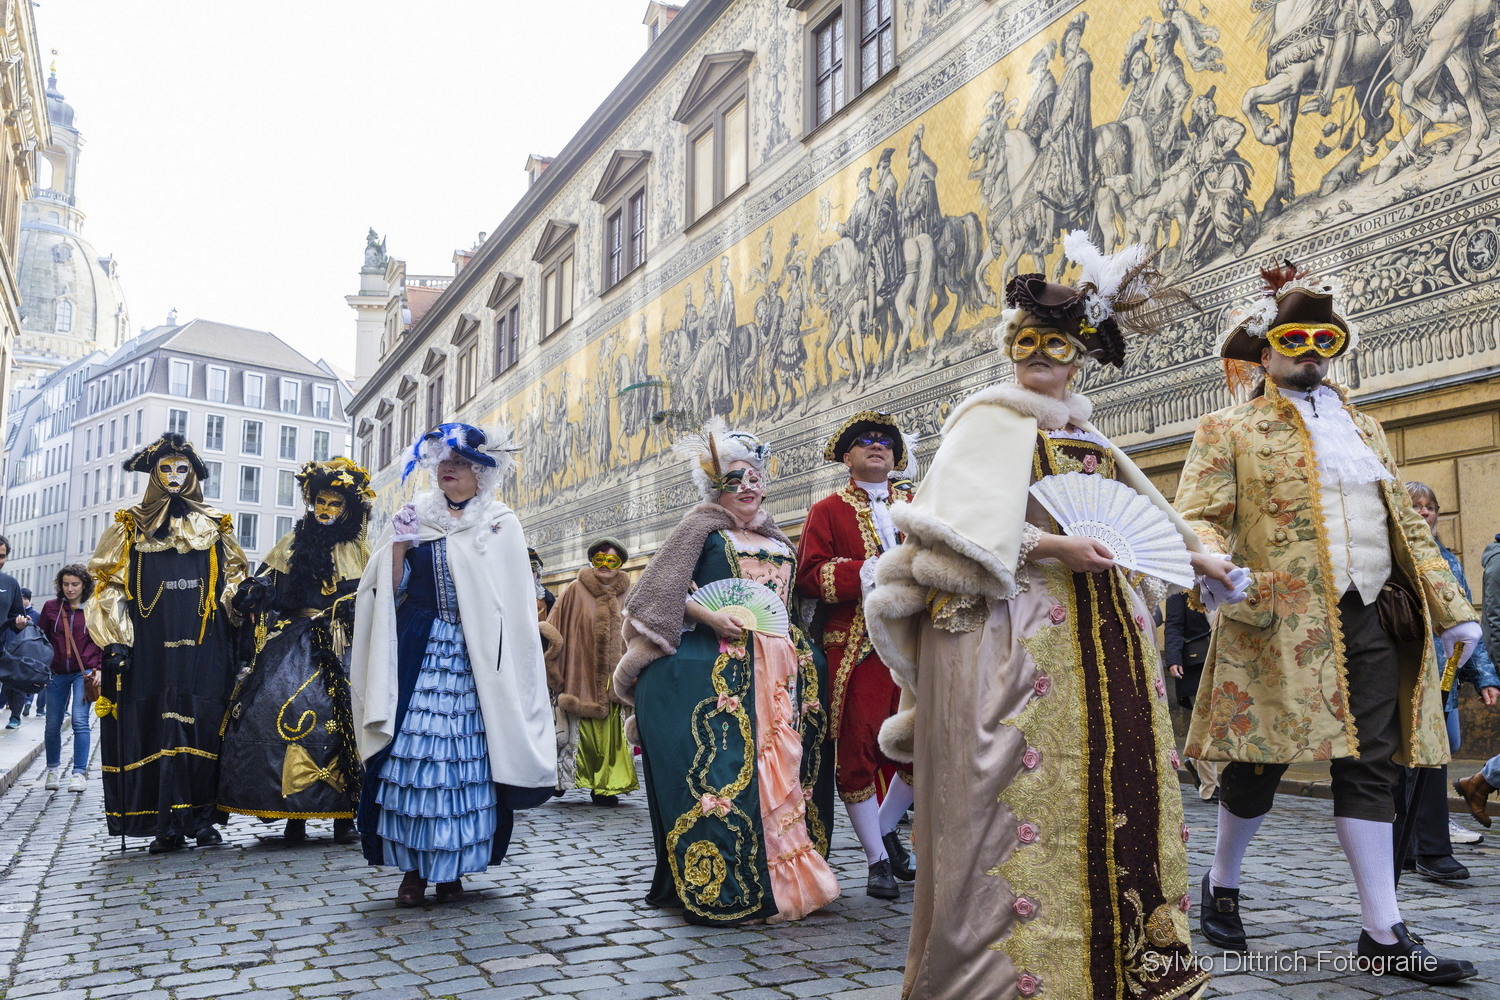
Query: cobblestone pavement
{"type": "Point", "coordinates": [563, 917]}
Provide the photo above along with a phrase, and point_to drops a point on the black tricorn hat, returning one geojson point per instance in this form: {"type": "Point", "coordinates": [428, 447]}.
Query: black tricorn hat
{"type": "Point", "coordinates": [867, 420]}
{"type": "Point", "coordinates": [1299, 298]}
{"type": "Point", "coordinates": [168, 444]}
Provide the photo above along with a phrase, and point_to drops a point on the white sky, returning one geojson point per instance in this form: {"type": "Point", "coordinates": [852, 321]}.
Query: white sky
{"type": "Point", "coordinates": [236, 152]}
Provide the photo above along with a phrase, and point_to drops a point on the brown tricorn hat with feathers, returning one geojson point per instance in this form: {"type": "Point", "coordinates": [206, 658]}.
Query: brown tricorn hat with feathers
{"type": "Point", "coordinates": [1288, 294]}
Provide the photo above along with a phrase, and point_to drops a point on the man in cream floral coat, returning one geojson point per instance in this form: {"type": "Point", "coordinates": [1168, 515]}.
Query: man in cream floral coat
{"type": "Point", "coordinates": [1319, 662]}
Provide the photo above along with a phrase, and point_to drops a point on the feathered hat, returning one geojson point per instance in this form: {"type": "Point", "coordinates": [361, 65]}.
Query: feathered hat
{"type": "Point", "coordinates": [1115, 293]}
{"type": "Point", "coordinates": [493, 454]}
{"type": "Point", "coordinates": [338, 475]}
{"type": "Point", "coordinates": [714, 448]}
{"type": "Point", "coordinates": [164, 447]}
{"type": "Point", "coordinates": [1288, 294]}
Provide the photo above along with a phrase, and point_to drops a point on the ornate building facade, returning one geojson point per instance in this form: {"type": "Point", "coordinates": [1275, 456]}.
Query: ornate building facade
{"type": "Point", "coordinates": [791, 210]}
{"type": "Point", "coordinates": [71, 299]}
{"type": "Point", "coordinates": [25, 131]}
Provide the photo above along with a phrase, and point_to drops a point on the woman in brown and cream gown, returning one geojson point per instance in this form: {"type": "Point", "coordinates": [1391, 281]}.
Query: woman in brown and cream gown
{"type": "Point", "coordinates": [1048, 811]}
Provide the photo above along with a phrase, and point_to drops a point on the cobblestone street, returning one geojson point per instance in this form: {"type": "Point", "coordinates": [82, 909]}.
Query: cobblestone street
{"type": "Point", "coordinates": [79, 921]}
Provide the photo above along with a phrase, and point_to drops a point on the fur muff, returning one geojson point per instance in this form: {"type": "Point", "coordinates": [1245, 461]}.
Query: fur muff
{"type": "Point", "coordinates": [898, 736]}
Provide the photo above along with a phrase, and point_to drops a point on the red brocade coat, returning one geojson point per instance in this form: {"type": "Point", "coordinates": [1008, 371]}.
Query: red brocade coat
{"type": "Point", "coordinates": [838, 537]}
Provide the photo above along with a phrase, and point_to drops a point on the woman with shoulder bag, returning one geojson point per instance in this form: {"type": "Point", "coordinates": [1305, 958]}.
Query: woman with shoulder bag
{"type": "Point", "coordinates": [75, 673]}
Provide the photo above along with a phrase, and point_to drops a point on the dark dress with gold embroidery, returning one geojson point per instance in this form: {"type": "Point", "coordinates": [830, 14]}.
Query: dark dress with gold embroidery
{"type": "Point", "coordinates": [1049, 814]}
{"type": "Point", "coordinates": [739, 775]}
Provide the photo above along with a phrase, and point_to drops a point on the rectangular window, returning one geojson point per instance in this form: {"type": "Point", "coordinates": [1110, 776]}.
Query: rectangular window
{"type": "Point", "coordinates": [255, 391]}
{"type": "Point", "coordinates": [385, 443]}
{"type": "Point", "coordinates": [736, 146]}
{"type": "Point", "coordinates": [85, 486]}
{"type": "Point", "coordinates": [88, 444]}
{"type": "Point", "coordinates": [180, 377]}
{"type": "Point", "coordinates": [177, 422]}
{"type": "Point", "coordinates": [703, 173]}
{"type": "Point", "coordinates": [97, 476]}
{"type": "Point", "coordinates": [218, 384]}
{"type": "Point", "coordinates": [468, 374]}
{"type": "Point", "coordinates": [288, 443]}
{"type": "Point", "coordinates": [876, 41]}
{"type": "Point", "coordinates": [565, 290]}
{"type": "Point", "coordinates": [507, 340]}
{"type": "Point", "coordinates": [291, 395]}
{"type": "Point", "coordinates": [286, 488]}
{"type": "Point", "coordinates": [213, 432]}
{"type": "Point", "coordinates": [111, 437]}
{"type": "Point", "coordinates": [614, 262]}
{"type": "Point", "coordinates": [125, 430]}
{"type": "Point", "coordinates": [637, 229]}
{"type": "Point", "coordinates": [549, 302]}
{"type": "Point", "coordinates": [321, 441]}
{"type": "Point", "coordinates": [284, 526]}
{"type": "Point", "coordinates": [323, 402]}
{"type": "Point", "coordinates": [140, 418]}
{"type": "Point", "coordinates": [250, 437]}
{"type": "Point", "coordinates": [434, 402]}
{"type": "Point", "coordinates": [213, 487]}
{"type": "Point", "coordinates": [249, 484]}
{"type": "Point", "coordinates": [249, 529]}
{"type": "Point", "coordinates": [828, 68]}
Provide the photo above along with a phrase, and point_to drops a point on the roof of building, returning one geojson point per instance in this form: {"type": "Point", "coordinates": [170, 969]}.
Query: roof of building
{"type": "Point", "coordinates": [419, 299]}
{"type": "Point", "coordinates": [220, 341]}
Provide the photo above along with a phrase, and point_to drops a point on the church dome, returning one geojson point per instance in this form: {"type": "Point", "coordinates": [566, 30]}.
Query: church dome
{"type": "Point", "coordinates": [59, 111]}
{"type": "Point", "coordinates": [71, 299]}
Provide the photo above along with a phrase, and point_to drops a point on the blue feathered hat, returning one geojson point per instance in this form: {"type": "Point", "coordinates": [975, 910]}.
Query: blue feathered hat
{"type": "Point", "coordinates": [461, 441]}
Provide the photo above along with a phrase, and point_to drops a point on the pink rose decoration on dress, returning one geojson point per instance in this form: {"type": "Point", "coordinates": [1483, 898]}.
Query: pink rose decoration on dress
{"type": "Point", "coordinates": [1023, 907]}
{"type": "Point", "coordinates": [1028, 984]}
{"type": "Point", "coordinates": [1185, 833]}
{"type": "Point", "coordinates": [1057, 614]}
{"type": "Point", "coordinates": [1140, 622]}
{"type": "Point", "coordinates": [1174, 760]}
{"type": "Point", "coordinates": [1161, 687]}
{"type": "Point", "coordinates": [1026, 833]}
{"type": "Point", "coordinates": [1031, 758]}
{"type": "Point", "coordinates": [1043, 685]}
{"type": "Point", "coordinates": [1184, 904]}
{"type": "Point", "coordinates": [712, 805]}
{"type": "Point", "coordinates": [1090, 463]}
{"type": "Point", "coordinates": [728, 703]}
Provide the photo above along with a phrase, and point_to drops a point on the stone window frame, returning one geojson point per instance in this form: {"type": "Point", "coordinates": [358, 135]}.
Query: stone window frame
{"type": "Point", "coordinates": [505, 303]}
{"type": "Point", "coordinates": [621, 192]}
{"type": "Point", "coordinates": [719, 85]}
{"type": "Point", "coordinates": [465, 343]}
{"type": "Point", "coordinates": [556, 253]}
{"type": "Point", "coordinates": [819, 14]}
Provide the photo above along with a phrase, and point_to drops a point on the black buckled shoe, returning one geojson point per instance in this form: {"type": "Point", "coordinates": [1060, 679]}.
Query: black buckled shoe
{"type": "Point", "coordinates": [899, 857]}
{"type": "Point", "coordinates": [1443, 867]}
{"type": "Point", "coordinates": [1409, 957]}
{"type": "Point", "coordinates": [881, 884]}
{"type": "Point", "coordinates": [1219, 918]}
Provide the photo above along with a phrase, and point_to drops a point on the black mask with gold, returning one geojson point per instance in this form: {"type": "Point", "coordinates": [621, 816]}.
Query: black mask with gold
{"type": "Point", "coordinates": [175, 484]}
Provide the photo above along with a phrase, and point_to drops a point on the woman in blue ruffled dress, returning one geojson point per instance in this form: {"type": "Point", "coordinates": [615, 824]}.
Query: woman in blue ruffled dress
{"type": "Point", "coordinates": [451, 706]}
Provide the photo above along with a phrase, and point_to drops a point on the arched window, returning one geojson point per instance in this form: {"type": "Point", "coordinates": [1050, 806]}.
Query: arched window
{"type": "Point", "coordinates": [64, 316]}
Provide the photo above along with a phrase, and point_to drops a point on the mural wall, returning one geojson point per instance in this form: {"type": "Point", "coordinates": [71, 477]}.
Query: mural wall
{"type": "Point", "coordinates": [865, 268]}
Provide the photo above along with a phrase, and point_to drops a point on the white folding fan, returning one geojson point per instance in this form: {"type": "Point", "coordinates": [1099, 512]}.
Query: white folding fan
{"type": "Point", "coordinates": [753, 605]}
{"type": "Point", "coordinates": [1140, 535]}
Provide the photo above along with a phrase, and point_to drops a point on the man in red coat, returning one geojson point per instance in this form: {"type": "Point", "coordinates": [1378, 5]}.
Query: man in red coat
{"type": "Point", "coordinates": [843, 538]}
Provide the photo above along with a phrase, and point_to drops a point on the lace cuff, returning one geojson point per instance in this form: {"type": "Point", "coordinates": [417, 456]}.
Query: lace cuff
{"type": "Point", "coordinates": [1030, 536]}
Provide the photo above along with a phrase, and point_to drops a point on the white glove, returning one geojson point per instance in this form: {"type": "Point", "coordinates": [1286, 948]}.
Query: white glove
{"type": "Point", "coordinates": [404, 524]}
{"type": "Point", "coordinates": [1468, 633]}
{"type": "Point", "coordinates": [1213, 593]}
{"type": "Point", "coordinates": [867, 576]}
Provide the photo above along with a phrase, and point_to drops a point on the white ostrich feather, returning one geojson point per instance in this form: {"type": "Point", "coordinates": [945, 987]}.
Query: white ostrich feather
{"type": "Point", "coordinates": [1105, 272]}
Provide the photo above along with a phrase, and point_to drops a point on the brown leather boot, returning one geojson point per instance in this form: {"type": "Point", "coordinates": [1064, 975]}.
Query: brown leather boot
{"type": "Point", "coordinates": [413, 888]}
{"type": "Point", "coordinates": [1474, 790]}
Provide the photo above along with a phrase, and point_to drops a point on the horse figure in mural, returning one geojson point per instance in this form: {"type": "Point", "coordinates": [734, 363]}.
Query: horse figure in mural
{"type": "Point", "coordinates": [1456, 36]}
{"type": "Point", "coordinates": [958, 251]}
{"type": "Point", "coordinates": [1018, 225]}
{"type": "Point", "coordinates": [843, 286]}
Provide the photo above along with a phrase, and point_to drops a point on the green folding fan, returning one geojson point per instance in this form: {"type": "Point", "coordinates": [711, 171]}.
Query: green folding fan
{"type": "Point", "coordinates": [753, 605]}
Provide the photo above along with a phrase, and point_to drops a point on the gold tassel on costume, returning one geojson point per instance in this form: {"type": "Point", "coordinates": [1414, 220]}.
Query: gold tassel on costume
{"type": "Point", "coordinates": [206, 608]}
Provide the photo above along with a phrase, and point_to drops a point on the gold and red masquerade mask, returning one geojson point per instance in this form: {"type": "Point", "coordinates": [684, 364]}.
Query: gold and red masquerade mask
{"type": "Point", "coordinates": [1295, 339]}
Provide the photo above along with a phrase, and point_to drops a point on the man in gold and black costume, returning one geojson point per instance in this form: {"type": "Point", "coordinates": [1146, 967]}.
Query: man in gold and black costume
{"type": "Point", "coordinates": [165, 571]}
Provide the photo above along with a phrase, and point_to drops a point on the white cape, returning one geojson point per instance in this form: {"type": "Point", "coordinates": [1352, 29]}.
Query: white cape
{"type": "Point", "coordinates": [492, 575]}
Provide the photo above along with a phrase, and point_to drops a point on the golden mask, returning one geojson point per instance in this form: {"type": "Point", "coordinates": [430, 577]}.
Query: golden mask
{"type": "Point", "coordinates": [329, 507]}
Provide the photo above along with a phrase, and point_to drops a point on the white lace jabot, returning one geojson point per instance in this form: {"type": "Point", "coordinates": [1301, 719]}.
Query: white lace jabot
{"type": "Point", "coordinates": [1341, 451]}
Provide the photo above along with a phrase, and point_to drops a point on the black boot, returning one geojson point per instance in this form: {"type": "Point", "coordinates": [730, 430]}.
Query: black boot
{"type": "Point", "coordinates": [1219, 918]}
{"type": "Point", "coordinates": [344, 832]}
{"type": "Point", "coordinates": [900, 859]}
{"type": "Point", "coordinates": [167, 843]}
{"type": "Point", "coordinates": [209, 837]}
{"type": "Point", "coordinates": [1409, 957]}
{"type": "Point", "coordinates": [1440, 866]}
{"type": "Point", "coordinates": [881, 884]}
{"type": "Point", "coordinates": [295, 832]}
{"type": "Point", "coordinates": [604, 800]}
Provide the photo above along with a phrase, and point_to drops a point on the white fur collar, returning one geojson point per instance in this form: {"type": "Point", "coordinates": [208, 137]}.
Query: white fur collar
{"type": "Point", "coordinates": [432, 510]}
{"type": "Point", "coordinates": [1050, 414]}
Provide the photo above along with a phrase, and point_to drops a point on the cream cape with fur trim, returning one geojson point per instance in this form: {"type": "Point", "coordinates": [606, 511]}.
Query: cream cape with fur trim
{"type": "Point", "coordinates": [964, 526]}
{"type": "Point", "coordinates": [497, 602]}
